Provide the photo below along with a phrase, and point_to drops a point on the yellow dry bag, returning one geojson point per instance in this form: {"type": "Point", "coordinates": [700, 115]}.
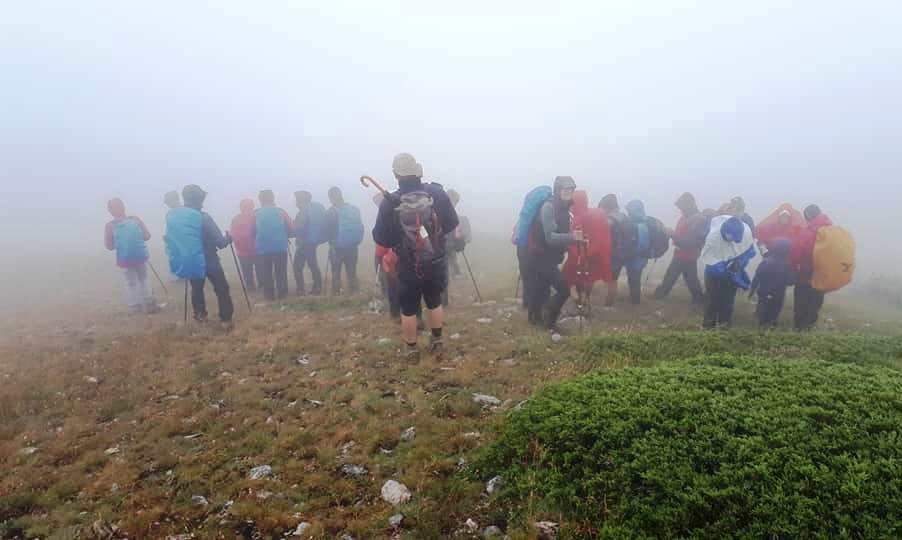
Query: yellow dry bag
{"type": "Point", "coordinates": [834, 259]}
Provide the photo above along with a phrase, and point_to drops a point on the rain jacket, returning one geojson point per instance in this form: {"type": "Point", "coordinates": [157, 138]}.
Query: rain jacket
{"type": "Point", "coordinates": [126, 256]}
{"type": "Point", "coordinates": [244, 230]}
{"type": "Point", "coordinates": [636, 212]}
{"type": "Point", "coordinates": [595, 227]}
{"type": "Point", "coordinates": [728, 250]}
{"type": "Point", "coordinates": [802, 254]}
{"type": "Point", "coordinates": [775, 272]}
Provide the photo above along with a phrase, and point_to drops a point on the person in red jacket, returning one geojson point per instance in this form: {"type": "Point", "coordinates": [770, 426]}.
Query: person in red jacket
{"type": "Point", "coordinates": [583, 274]}
{"type": "Point", "coordinates": [688, 239]}
{"type": "Point", "coordinates": [244, 234]}
{"type": "Point", "coordinates": [808, 301]}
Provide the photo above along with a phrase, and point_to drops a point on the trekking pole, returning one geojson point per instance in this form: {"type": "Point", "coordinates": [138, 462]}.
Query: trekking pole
{"type": "Point", "coordinates": [241, 279]}
{"type": "Point", "coordinates": [470, 270]}
{"type": "Point", "coordinates": [648, 275]}
{"type": "Point", "coordinates": [326, 277]}
{"type": "Point", "coordinates": [369, 181]}
{"type": "Point", "coordinates": [154, 270]}
{"type": "Point", "coordinates": [517, 290]}
{"type": "Point", "coordinates": [186, 302]}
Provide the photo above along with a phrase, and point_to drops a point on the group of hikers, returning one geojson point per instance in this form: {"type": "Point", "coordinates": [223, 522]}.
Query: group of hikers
{"type": "Point", "coordinates": [418, 235]}
{"type": "Point", "coordinates": [800, 249]}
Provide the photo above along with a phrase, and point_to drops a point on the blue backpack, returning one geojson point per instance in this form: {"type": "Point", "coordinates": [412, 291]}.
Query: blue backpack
{"type": "Point", "coordinates": [350, 227]}
{"type": "Point", "coordinates": [129, 241]}
{"type": "Point", "coordinates": [184, 243]}
{"type": "Point", "coordinates": [271, 234]}
{"type": "Point", "coordinates": [530, 209]}
{"type": "Point", "coordinates": [316, 224]}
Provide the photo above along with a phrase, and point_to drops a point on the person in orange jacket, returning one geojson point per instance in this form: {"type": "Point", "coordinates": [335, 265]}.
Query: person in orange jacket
{"type": "Point", "coordinates": [244, 232]}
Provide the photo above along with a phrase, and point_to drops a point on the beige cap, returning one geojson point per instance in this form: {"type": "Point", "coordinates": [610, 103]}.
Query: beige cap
{"type": "Point", "coordinates": [405, 164]}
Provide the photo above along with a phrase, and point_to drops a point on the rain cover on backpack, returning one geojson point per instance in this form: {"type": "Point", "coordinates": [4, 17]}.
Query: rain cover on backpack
{"type": "Point", "coordinates": [420, 233]}
{"type": "Point", "coordinates": [184, 243]}
{"type": "Point", "coordinates": [530, 209]}
{"type": "Point", "coordinates": [834, 259]}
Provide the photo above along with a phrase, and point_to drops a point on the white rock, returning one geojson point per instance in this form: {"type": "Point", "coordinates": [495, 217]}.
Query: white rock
{"type": "Point", "coordinates": [260, 472]}
{"type": "Point", "coordinates": [494, 485]}
{"type": "Point", "coordinates": [302, 529]}
{"type": "Point", "coordinates": [383, 341]}
{"type": "Point", "coordinates": [304, 359]}
{"type": "Point", "coordinates": [396, 520]}
{"type": "Point", "coordinates": [199, 500]}
{"type": "Point", "coordinates": [409, 434]}
{"type": "Point", "coordinates": [395, 493]}
{"type": "Point", "coordinates": [92, 380]}
{"type": "Point", "coordinates": [472, 435]}
{"type": "Point", "coordinates": [28, 450]}
{"type": "Point", "coordinates": [484, 320]}
{"type": "Point", "coordinates": [455, 336]}
{"type": "Point", "coordinates": [112, 451]}
{"type": "Point", "coordinates": [471, 525]}
{"type": "Point", "coordinates": [556, 338]}
{"type": "Point", "coordinates": [547, 529]}
{"type": "Point", "coordinates": [492, 531]}
{"type": "Point", "coordinates": [486, 400]}
{"type": "Point", "coordinates": [352, 470]}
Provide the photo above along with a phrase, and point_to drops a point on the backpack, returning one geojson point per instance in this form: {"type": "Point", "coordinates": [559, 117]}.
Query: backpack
{"type": "Point", "coordinates": [421, 232]}
{"type": "Point", "coordinates": [350, 227]}
{"type": "Point", "coordinates": [625, 237]}
{"type": "Point", "coordinates": [128, 239]}
{"type": "Point", "coordinates": [658, 240]}
{"type": "Point", "coordinates": [532, 204]}
{"type": "Point", "coordinates": [184, 243]}
{"type": "Point", "coordinates": [271, 234]}
{"type": "Point", "coordinates": [316, 224]}
{"type": "Point", "coordinates": [834, 259]}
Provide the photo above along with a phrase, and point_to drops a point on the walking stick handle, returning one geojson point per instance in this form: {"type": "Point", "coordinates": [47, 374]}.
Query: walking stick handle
{"type": "Point", "coordinates": [369, 180]}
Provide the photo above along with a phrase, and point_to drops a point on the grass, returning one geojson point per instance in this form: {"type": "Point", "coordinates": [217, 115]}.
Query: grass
{"type": "Point", "coordinates": [193, 409]}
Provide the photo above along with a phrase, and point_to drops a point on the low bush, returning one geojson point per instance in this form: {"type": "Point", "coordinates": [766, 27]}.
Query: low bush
{"type": "Point", "coordinates": [721, 446]}
{"type": "Point", "coordinates": [656, 347]}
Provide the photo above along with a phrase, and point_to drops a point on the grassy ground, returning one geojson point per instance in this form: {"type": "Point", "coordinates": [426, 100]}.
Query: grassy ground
{"type": "Point", "coordinates": [124, 423]}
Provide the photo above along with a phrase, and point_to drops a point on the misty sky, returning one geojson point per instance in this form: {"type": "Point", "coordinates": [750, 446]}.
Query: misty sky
{"type": "Point", "coordinates": [645, 99]}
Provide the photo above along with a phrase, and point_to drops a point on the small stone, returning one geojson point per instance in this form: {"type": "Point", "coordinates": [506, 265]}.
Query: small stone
{"type": "Point", "coordinates": [92, 380]}
{"type": "Point", "coordinates": [492, 531]}
{"type": "Point", "coordinates": [484, 320]}
{"type": "Point", "coordinates": [396, 520]}
{"type": "Point", "coordinates": [28, 450]}
{"type": "Point", "coordinates": [270, 420]}
{"type": "Point", "coordinates": [260, 472]}
{"type": "Point", "coordinates": [345, 449]}
{"type": "Point", "coordinates": [199, 500]}
{"type": "Point", "coordinates": [264, 495]}
{"type": "Point", "coordinates": [352, 470]}
{"type": "Point", "coordinates": [486, 400]}
{"type": "Point", "coordinates": [112, 451]}
{"type": "Point", "coordinates": [193, 436]}
{"type": "Point", "coordinates": [304, 359]}
{"type": "Point", "coordinates": [301, 529]}
{"type": "Point", "coordinates": [471, 435]}
{"type": "Point", "coordinates": [409, 434]}
{"type": "Point", "coordinates": [395, 493]}
{"type": "Point", "coordinates": [494, 485]}
{"type": "Point", "coordinates": [556, 338]}
{"type": "Point", "coordinates": [547, 530]}
{"type": "Point", "coordinates": [455, 336]}
{"type": "Point", "coordinates": [509, 362]}
{"type": "Point", "coordinates": [383, 341]}
{"type": "Point", "coordinates": [471, 525]}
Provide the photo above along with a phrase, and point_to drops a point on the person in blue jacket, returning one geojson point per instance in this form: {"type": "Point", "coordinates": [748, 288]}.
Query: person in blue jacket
{"type": "Point", "coordinates": [635, 209]}
{"type": "Point", "coordinates": [274, 228]}
{"type": "Point", "coordinates": [309, 233]}
{"type": "Point", "coordinates": [344, 230]}
{"type": "Point", "coordinates": [192, 242]}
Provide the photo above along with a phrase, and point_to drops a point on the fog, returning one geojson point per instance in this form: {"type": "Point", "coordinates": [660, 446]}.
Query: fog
{"type": "Point", "coordinates": [771, 101]}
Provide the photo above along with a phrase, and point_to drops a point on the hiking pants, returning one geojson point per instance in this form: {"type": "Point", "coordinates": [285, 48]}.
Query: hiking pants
{"type": "Point", "coordinates": [527, 274]}
{"type": "Point", "coordinates": [689, 271]}
{"type": "Point", "coordinates": [220, 287]}
{"type": "Point", "coordinates": [769, 308]}
{"type": "Point", "coordinates": [247, 263]}
{"type": "Point", "coordinates": [719, 302]}
{"type": "Point", "coordinates": [272, 271]}
{"type": "Point", "coordinates": [634, 278]}
{"type": "Point", "coordinates": [546, 276]}
{"type": "Point", "coordinates": [137, 289]}
{"type": "Point", "coordinates": [306, 256]}
{"type": "Point", "coordinates": [346, 257]}
{"type": "Point", "coordinates": [808, 303]}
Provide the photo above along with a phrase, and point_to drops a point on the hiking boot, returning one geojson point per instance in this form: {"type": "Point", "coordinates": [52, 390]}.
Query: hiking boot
{"type": "Point", "coordinates": [411, 354]}
{"type": "Point", "coordinates": [200, 318]}
{"type": "Point", "coordinates": [227, 326]}
{"type": "Point", "coordinates": [436, 346]}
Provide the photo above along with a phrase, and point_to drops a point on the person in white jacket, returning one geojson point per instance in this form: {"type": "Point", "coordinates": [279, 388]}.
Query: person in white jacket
{"type": "Point", "coordinates": [728, 249]}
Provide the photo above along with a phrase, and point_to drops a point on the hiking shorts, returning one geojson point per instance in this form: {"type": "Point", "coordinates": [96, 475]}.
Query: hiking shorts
{"type": "Point", "coordinates": [413, 290]}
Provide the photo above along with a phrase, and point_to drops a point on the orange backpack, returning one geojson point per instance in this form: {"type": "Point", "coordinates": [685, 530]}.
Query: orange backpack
{"type": "Point", "coordinates": [834, 259]}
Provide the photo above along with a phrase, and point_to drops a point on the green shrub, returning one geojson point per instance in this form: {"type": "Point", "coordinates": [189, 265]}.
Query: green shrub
{"type": "Point", "coordinates": [722, 446]}
{"type": "Point", "coordinates": [663, 346]}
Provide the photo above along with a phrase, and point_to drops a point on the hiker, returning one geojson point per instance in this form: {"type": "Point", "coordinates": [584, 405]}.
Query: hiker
{"type": "Point", "coordinates": [550, 238]}
{"type": "Point", "coordinates": [590, 262]}
{"type": "Point", "coordinates": [458, 238]}
{"type": "Point", "coordinates": [422, 269]}
{"type": "Point", "coordinates": [523, 266]}
{"type": "Point", "coordinates": [785, 222]}
{"type": "Point", "coordinates": [808, 301]}
{"type": "Point", "coordinates": [387, 271]}
{"type": "Point", "coordinates": [192, 241]}
{"type": "Point", "coordinates": [309, 233]}
{"type": "Point", "coordinates": [622, 244]}
{"type": "Point", "coordinates": [688, 239]}
{"type": "Point", "coordinates": [772, 277]}
{"type": "Point", "coordinates": [273, 229]}
{"type": "Point", "coordinates": [244, 235]}
{"type": "Point", "coordinates": [728, 249]}
{"type": "Point", "coordinates": [345, 232]}
{"type": "Point", "coordinates": [172, 200]}
{"type": "Point", "coordinates": [127, 236]}
{"type": "Point", "coordinates": [635, 209]}
{"type": "Point", "coordinates": [738, 205]}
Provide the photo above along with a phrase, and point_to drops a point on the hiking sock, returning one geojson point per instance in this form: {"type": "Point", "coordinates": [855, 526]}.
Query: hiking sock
{"type": "Point", "coordinates": [411, 345]}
